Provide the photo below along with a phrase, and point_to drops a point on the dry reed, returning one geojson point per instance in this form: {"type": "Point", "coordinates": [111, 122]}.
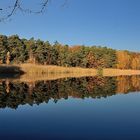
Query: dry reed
{"type": "Point", "coordinates": [118, 72]}
{"type": "Point", "coordinates": [35, 72]}
{"type": "Point", "coordinates": [45, 69]}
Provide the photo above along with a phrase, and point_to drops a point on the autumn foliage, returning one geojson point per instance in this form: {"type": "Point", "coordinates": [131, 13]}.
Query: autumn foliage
{"type": "Point", "coordinates": [128, 60]}
{"type": "Point", "coordinates": [14, 50]}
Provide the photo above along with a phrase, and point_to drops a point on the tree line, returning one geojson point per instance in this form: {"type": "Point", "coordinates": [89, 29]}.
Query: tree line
{"type": "Point", "coordinates": [14, 50]}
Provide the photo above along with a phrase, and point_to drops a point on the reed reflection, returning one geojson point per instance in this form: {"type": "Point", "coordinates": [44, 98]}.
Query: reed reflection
{"type": "Point", "coordinates": [14, 93]}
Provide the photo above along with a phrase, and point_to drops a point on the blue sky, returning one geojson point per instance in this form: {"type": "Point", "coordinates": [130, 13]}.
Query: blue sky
{"type": "Point", "coordinates": [112, 23]}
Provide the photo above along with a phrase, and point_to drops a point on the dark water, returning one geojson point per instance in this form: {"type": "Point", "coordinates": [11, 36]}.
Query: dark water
{"type": "Point", "coordinates": [100, 108]}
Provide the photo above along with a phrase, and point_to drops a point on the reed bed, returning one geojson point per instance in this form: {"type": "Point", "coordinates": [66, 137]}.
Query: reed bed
{"type": "Point", "coordinates": [50, 69]}
{"type": "Point", "coordinates": [45, 77]}
{"type": "Point", "coordinates": [119, 72]}
{"type": "Point", "coordinates": [34, 72]}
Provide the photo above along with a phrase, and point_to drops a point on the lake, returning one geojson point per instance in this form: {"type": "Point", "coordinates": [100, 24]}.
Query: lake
{"type": "Point", "coordinates": [83, 108]}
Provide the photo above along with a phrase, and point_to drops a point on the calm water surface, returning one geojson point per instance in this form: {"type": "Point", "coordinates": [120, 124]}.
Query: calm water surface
{"type": "Point", "coordinates": [74, 108]}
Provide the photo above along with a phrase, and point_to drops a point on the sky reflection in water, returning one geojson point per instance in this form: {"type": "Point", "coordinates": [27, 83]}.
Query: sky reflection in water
{"type": "Point", "coordinates": [83, 108]}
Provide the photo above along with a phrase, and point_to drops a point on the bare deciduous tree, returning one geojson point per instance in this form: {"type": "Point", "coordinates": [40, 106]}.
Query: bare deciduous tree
{"type": "Point", "coordinates": [17, 5]}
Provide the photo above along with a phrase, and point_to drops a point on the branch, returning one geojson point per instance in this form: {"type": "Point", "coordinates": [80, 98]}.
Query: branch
{"type": "Point", "coordinates": [18, 6]}
{"type": "Point", "coordinates": [43, 6]}
{"type": "Point", "coordinates": [14, 9]}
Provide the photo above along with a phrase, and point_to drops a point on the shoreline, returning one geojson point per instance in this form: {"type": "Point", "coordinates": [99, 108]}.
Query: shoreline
{"type": "Point", "coordinates": [77, 71]}
{"type": "Point", "coordinates": [32, 70]}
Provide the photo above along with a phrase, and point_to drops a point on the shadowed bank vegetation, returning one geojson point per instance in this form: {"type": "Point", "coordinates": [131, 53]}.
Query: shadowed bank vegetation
{"type": "Point", "coordinates": [10, 69]}
{"type": "Point", "coordinates": [14, 50]}
{"type": "Point", "coordinates": [14, 93]}
{"type": "Point", "coordinates": [7, 71]}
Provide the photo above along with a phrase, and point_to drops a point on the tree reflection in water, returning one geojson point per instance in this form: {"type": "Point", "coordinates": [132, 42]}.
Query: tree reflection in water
{"type": "Point", "coordinates": [13, 94]}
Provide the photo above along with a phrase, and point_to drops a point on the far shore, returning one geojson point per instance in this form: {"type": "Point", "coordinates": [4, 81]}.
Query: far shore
{"type": "Point", "coordinates": [76, 71]}
{"type": "Point", "coordinates": [51, 72]}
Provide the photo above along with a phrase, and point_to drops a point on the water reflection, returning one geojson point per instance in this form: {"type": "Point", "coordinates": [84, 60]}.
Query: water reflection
{"type": "Point", "coordinates": [14, 93]}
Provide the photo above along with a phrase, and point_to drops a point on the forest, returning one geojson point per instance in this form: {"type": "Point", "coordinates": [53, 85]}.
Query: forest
{"type": "Point", "coordinates": [14, 50]}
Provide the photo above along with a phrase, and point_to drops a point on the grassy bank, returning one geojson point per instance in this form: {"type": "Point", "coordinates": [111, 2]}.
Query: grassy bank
{"type": "Point", "coordinates": [118, 72]}
{"type": "Point", "coordinates": [42, 69]}
{"type": "Point", "coordinates": [49, 72]}
{"type": "Point", "coordinates": [50, 69]}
